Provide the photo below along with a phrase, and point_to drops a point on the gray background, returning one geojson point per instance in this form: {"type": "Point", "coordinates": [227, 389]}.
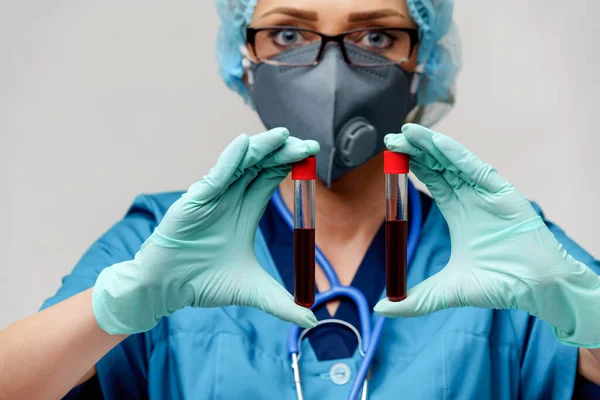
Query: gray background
{"type": "Point", "coordinates": [103, 100]}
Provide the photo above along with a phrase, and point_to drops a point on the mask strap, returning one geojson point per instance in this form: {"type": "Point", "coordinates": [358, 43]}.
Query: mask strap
{"type": "Point", "coordinates": [247, 63]}
{"type": "Point", "coordinates": [414, 114]}
{"type": "Point", "coordinates": [414, 85]}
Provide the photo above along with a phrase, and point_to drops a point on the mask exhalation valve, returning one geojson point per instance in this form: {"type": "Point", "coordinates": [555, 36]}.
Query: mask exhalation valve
{"type": "Point", "coordinates": [356, 143]}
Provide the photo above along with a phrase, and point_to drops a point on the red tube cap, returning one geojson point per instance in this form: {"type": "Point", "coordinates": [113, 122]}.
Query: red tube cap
{"type": "Point", "coordinates": [395, 163]}
{"type": "Point", "coordinates": [305, 170]}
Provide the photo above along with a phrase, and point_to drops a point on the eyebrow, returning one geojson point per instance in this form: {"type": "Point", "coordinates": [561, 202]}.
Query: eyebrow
{"type": "Point", "coordinates": [370, 15]}
{"type": "Point", "coordinates": [294, 12]}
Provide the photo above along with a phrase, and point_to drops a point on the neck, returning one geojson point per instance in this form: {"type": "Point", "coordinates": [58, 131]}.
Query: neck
{"type": "Point", "coordinates": [352, 209]}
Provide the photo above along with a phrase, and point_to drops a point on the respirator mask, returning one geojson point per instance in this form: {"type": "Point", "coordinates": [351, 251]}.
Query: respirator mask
{"type": "Point", "coordinates": [347, 109]}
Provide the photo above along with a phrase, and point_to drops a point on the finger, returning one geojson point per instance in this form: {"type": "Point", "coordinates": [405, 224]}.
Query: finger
{"type": "Point", "coordinates": [397, 142]}
{"type": "Point", "coordinates": [255, 188]}
{"type": "Point", "coordinates": [293, 150]}
{"type": "Point", "coordinates": [422, 138]}
{"type": "Point", "coordinates": [440, 181]}
{"type": "Point", "coordinates": [219, 177]}
{"type": "Point", "coordinates": [435, 181]}
{"type": "Point", "coordinates": [469, 164]}
{"type": "Point", "coordinates": [425, 298]}
{"type": "Point", "coordinates": [262, 145]}
{"type": "Point", "coordinates": [484, 289]}
{"type": "Point", "coordinates": [266, 294]}
{"type": "Point", "coordinates": [261, 189]}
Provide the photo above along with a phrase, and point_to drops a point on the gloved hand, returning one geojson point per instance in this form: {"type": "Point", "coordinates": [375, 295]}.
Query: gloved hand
{"type": "Point", "coordinates": [202, 252]}
{"type": "Point", "coordinates": [503, 255]}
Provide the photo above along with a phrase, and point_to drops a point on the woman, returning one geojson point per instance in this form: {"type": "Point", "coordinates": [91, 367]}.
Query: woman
{"type": "Point", "coordinates": [339, 74]}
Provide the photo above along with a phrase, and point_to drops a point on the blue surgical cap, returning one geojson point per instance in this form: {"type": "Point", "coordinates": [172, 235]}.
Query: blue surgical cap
{"type": "Point", "coordinates": [439, 52]}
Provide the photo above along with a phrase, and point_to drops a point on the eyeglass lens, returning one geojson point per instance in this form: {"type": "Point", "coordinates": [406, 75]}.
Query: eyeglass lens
{"type": "Point", "coordinates": [395, 45]}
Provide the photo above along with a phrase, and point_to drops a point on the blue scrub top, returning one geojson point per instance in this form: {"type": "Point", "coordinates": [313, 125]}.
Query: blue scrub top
{"type": "Point", "coordinates": [239, 352]}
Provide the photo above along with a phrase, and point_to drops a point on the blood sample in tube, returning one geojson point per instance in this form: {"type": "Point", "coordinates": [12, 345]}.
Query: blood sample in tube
{"type": "Point", "coordinates": [396, 224]}
{"type": "Point", "coordinates": [304, 174]}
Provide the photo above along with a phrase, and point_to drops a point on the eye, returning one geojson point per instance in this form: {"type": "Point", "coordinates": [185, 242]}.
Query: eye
{"type": "Point", "coordinates": [376, 39]}
{"type": "Point", "coordinates": [287, 38]}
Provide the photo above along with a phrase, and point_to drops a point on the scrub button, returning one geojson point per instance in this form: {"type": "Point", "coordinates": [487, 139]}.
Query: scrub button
{"type": "Point", "coordinates": [340, 374]}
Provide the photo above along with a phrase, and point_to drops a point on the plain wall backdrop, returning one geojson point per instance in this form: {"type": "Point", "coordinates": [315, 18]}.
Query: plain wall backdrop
{"type": "Point", "coordinates": [103, 100]}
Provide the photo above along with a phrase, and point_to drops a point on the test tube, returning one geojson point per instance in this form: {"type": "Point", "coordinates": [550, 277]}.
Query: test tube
{"type": "Point", "coordinates": [395, 167]}
{"type": "Point", "coordinates": [304, 174]}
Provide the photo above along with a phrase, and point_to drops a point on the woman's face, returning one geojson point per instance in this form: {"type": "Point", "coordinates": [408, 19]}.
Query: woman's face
{"type": "Point", "coordinates": [348, 109]}
{"type": "Point", "coordinates": [333, 17]}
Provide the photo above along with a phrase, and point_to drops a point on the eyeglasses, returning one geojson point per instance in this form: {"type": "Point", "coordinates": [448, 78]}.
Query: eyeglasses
{"type": "Point", "coordinates": [393, 44]}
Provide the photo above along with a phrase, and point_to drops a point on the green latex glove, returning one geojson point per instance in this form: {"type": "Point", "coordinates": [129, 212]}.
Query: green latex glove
{"type": "Point", "coordinates": [503, 255]}
{"type": "Point", "coordinates": [202, 252]}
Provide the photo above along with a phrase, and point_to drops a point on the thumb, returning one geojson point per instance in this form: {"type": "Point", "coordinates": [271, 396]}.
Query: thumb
{"type": "Point", "coordinates": [427, 297]}
{"type": "Point", "coordinates": [266, 294]}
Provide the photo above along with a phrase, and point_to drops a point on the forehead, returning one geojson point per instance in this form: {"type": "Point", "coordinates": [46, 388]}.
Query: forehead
{"type": "Point", "coordinates": [333, 9]}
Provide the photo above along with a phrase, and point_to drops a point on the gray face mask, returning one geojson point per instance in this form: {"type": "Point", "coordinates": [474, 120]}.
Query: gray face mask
{"type": "Point", "coordinates": [348, 110]}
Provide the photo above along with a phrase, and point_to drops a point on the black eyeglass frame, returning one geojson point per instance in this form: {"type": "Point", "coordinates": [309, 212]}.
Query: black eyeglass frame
{"type": "Point", "coordinates": [339, 39]}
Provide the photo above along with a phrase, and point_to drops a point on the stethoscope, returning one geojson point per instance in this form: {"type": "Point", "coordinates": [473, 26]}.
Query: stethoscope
{"type": "Point", "coordinates": [367, 343]}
